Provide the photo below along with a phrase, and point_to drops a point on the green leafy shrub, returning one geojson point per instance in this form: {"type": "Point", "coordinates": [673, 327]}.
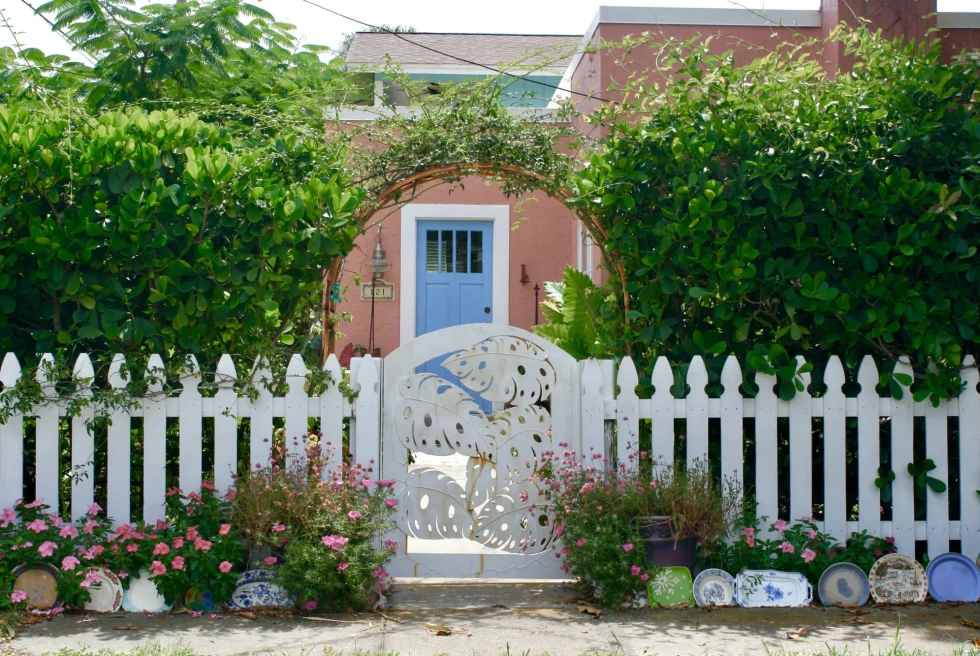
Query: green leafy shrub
{"type": "Point", "coordinates": [580, 316]}
{"type": "Point", "coordinates": [770, 210]}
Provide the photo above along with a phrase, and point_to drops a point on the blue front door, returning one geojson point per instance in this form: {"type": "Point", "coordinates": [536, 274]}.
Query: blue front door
{"type": "Point", "coordinates": [454, 278]}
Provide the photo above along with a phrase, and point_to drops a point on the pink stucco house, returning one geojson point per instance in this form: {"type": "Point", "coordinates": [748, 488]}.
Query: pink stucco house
{"type": "Point", "coordinates": [475, 255]}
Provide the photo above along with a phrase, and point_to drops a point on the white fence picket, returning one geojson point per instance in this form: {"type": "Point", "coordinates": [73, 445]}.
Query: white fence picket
{"type": "Point", "coordinates": [801, 450]}
{"type": "Point", "coordinates": [628, 416]}
{"type": "Point", "coordinates": [969, 430]}
{"type": "Point", "coordinates": [11, 440]}
{"type": "Point", "coordinates": [260, 431]}
{"type": "Point", "coordinates": [766, 449]}
{"type": "Point", "coordinates": [869, 449]}
{"type": "Point", "coordinates": [297, 410]}
{"type": "Point", "coordinates": [835, 450]}
{"type": "Point", "coordinates": [593, 429]}
{"type": "Point", "coordinates": [662, 412]}
{"type": "Point", "coordinates": [731, 413]}
{"type": "Point", "coordinates": [332, 417]}
{"type": "Point", "coordinates": [82, 441]}
{"type": "Point", "coordinates": [47, 460]}
{"type": "Point", "coordinates": [225, 425]}
{"type": "Point", "coordinates": [154, 442]}
{"type": "Point", "coordinates": [118, 455]}
{"type": "Point", "coordinates": [367, 451]}
{"type": "Point", "coordinates": [191, 439]}
{"type": "Point", "coordinates": [696, 438]}
{"type": "Point", "coordinates": [903, 489]}
{"type": "Point", "coordinates": [937, 503]}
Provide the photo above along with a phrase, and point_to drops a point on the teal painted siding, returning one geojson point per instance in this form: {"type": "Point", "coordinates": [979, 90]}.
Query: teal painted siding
{"type": "Point", "coordinates": [529, 92]}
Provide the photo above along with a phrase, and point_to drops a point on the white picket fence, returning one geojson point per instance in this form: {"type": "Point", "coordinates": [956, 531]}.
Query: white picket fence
{"type": "Point", "coordinates": [602, 414]}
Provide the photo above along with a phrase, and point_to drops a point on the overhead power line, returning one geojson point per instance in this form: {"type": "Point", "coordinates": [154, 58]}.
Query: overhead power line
{"type": "Point", "coordinates": [57, 29]}
{"type": "Point", "coordinates": [401, 36]}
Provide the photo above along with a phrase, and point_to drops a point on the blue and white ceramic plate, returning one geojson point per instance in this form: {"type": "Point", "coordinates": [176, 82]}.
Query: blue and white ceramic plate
{"type": "Point", "coordinates": [714, 587]}
{"type": "Point", "coordinates": [844, 583]}
{"type": "Point", "coordinates": [258, 594]}
{"type": "Point", "coordinates": [953, 577]}
{"type": "Point", "coordinates": [254, 575]}
{"type": "Point", "coordinates": [756, 588]}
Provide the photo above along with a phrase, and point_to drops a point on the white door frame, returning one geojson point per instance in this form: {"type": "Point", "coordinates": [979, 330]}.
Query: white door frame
{"type": "Point", "coordinates": [412, 213]}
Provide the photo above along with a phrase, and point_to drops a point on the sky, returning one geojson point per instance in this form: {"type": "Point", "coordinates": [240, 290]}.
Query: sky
{"type": "Point", "coordinates": [319, 27]}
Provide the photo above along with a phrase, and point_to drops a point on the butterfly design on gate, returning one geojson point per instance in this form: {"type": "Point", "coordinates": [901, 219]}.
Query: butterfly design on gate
{"type": "Point", "coordinates": [499, 505]}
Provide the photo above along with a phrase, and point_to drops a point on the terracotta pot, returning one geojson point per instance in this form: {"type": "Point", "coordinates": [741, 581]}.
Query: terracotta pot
{"type": "Point", "coordinates": [663, 547]}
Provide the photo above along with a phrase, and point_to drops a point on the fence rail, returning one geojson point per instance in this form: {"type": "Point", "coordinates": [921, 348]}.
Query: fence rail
{"type": "Point", "coordinates": [608, 421]}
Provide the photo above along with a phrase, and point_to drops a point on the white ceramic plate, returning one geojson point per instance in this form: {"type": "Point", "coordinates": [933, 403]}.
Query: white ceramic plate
{"type": "Point", "coordinates": [755, 588]}
{"type": "Point", "coordinates": [714, 587]}
{"type": "Point", "coordinates": [107, 594]}
{"type": "Point", "coordinates": [898, 579]}
{"type": "Point", "coordinates": [143, 596]}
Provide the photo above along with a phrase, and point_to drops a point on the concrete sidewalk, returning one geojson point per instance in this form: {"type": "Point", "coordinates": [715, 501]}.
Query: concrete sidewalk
{"type": "Point", "coordinates": [534, 618]}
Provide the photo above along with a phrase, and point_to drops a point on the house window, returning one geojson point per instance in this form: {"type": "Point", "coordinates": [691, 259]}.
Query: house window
{"type": "Point", "coordinates": [454, 251]}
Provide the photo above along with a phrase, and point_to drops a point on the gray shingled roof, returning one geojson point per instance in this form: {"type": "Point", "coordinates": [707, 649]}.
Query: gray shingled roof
{"type": "Point", "coordinates": [488, 49]}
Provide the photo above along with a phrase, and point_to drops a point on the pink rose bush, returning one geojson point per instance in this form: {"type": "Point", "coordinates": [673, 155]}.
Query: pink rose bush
{"type": "Point", "coordinates": [321, 523]}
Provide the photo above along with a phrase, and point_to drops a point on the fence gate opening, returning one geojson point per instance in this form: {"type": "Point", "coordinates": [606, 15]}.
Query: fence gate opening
{"type": "Point", "coordinates": [467, 508]}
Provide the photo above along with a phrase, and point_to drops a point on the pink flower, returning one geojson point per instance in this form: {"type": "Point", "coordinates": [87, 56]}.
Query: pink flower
{"type": "Point", "coordinates": [194, 496]}
{"type": "Point", "coordinates": [231, 494]}
{"type": "Point", "coordinates": [812, 533]}
{"type": "Point", "coordinates": [342, 566]}
{"type": "Point", "coordinates": [749, 532]}
{"type": "Point", "coordinates": [809, 555]}
{"type": "Point", "coordinates": [524, 496]}
{"type": "Point", "coordinates": [157, 568]}
{"type": "Point", "coordinates": [202, 545]}
{"type": "Point", "coordinates": [310, 605]}
{"type": "Point", "coordinates": [173, 491]}
{"type": "Point", "coordinates": [191, 533]}
{"type": "Point", "coordinates": [750, 542]}
{"type": "Point", "coordinates": [890, 540]}
{"type": "Point", "coordinates": [132, 547]}
{"type": "Point", "coordinates": [391, 545]}
{"type": "Point", "coordinates": [94, 509]}
{"type": "Point", "coordinates": [366, 483]}
{"type": "Point", "coordinates": [559, 530]}
{"type": "Point", "coordinates": [580, 542]}
{"type": "Point", "coordinates": [47, 549]}
{"type": "Point", "coordinates": [224, 567]}
{"type": "Point", "coordinates": [91, 578]}
{"type": "Point", "coordinates": [161, 525]}
{"type": "Point", "coordinates": [177, 563]}
{"type": "Point", "coordinates": [90, 526]}
{"type": "Point", "coordinates": [391, 503]}
{"type": "Point", "coordinates": [354, 515]}
{"type": "Point", "coordinates": [271, 560]}
{"type": "Point", "coordinates": [123, 575]}
{"type": "Point", "coordinates": [386, 482]}
{"type": "Point", "coordinates": [380, 573]}
{"type": "Point", "coordinates": [877, 553]}
{"type": "Point", "coordinates": [279, 528]}
{"type": "Point", "coordinates": [635, 570]}
{"type": "Point", "coordinates": [161, 549]}
{"type": "Point", "coordinates": [8, 516]}
{"type": "Point", "coordinates": [207, 485]}
{"type": "Point", "coordinates": [653, 486]}
{"type": "Point", "coordinates": [335, 542]}
{"type": "Point", "coordinates": [38, 525]}
{"type": "Point", "coordinates": [225, 529]}
{"type": "Point", "coordinates": [644, 576]}
{"type": "Point", "coordinates": [18, 596]}
{"type": "Point", "coordinates": [628, 547]}
{"type": "Point", "coordinates": [68, 531]}
{"type": "Point", "coordinates": [178, 542]}
{"type": "Point", "coordinates": [779, 525]}
{"type": "Point", "coordinates": [34, 504]}
{"type": "Point", "coordinates": [831, 553]}
{"type": "Point", "coordinates": [69, 563]}
{"type": "Point", "coordinates": [786, 547]}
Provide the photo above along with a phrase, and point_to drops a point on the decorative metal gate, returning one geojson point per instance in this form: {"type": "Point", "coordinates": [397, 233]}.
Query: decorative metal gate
{"type": "Point", "coordinates": [467, 506]}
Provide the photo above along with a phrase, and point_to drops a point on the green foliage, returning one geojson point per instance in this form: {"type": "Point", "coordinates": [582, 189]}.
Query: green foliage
{"type": "Point", "coordinates": [157, 232]}
{"type": "Point", "coordinates": [577, 316]}
{"type": "Point", "coordinates": [769, 211]}
{"type": "Point", "coordinates": [920, 474]}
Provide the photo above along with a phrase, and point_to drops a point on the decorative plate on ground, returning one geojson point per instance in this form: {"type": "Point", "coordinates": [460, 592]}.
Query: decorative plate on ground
{"type": "Point", "coordinates": [756, 588]}
{"type": "Point", "coordinates": [198, 599]}
{"type": "Point", "coordinates": [256, 588]}
{"type": "Point", "coordinates": [953, 577]}
{"type": "Point", "coordinates": [898, 579]}
{"type": "Point", "coordinates": [39, 583]}
{"type": "Point", "coordinates": [143, 596]}
{"type": "Point", "coordinates": [714, 587]}
{"type": "Point", "coordinates": [670, 586]}
{"type": "Point", "coordinates": [107, 594]}
{"type": "Point", "coordinates": [844, 583]}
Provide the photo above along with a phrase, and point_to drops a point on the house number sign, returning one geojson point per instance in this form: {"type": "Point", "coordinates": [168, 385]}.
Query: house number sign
{"type": "Point", "coordinates": [383, 291]}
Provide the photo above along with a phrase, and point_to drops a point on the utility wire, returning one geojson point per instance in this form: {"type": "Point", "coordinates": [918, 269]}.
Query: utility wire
{"type": "Point", "coordinates": [57, 29]}
{"type": "Point", "coordinates": [460, 59]}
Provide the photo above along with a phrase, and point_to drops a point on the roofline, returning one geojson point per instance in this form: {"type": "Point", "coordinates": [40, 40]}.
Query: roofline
{"type": "Point", "coordinates": [958, 20]}
{"type": "Point", "coordinates": [457, 69]}
{"type": "Point", "coordinates": [392, 33]}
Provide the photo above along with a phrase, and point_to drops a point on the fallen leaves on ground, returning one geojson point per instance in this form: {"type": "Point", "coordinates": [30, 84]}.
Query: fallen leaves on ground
{"type": "Point", "coordinates": [591, 610]}
{"type": "Point", "coordinates": [976, 642]}
{"type": "Point", "coordinates": [438, 629]}
{"type": "Point", "coordinates": [247, 615]}
{"type": "Point", "coordinates": [972, 625]}
{"type": "Point", "coordinates": [855, 620]}
{"type": "Point", "coordinates": [799, 633]}
{"type": "Point", "coordinates": [126, 628]}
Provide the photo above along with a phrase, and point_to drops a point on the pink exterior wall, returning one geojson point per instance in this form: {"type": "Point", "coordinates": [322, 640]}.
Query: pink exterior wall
{"type": "Point", "coordinates": [544, 241]}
